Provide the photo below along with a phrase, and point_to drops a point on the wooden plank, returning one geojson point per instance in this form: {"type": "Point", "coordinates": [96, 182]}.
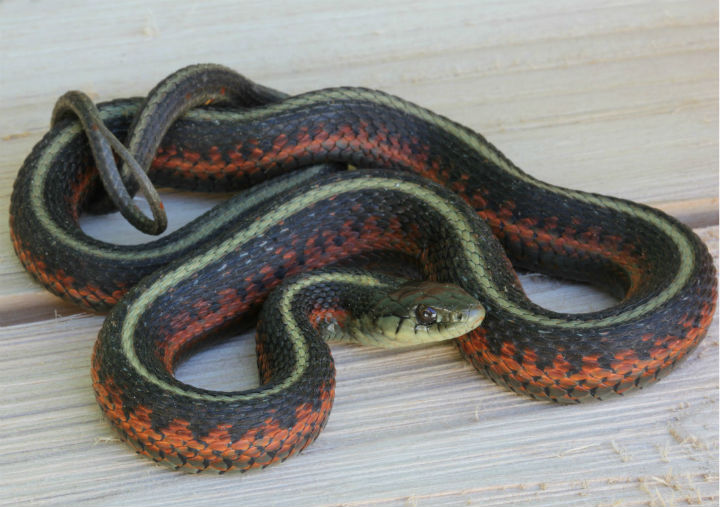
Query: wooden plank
{"type": "Point", "coordinates": [615, 97]}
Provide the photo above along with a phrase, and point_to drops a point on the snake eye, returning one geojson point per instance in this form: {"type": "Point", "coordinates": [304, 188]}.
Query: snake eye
{"type": "Point", "coordinates": [426, 315]}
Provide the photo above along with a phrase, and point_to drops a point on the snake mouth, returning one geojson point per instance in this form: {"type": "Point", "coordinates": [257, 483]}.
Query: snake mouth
{"type": "Point", "coordinates": [474, 316]}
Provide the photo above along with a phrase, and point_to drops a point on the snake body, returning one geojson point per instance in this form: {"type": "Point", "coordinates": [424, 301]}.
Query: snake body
{"type": "Point", "coordinates": [442, 196]}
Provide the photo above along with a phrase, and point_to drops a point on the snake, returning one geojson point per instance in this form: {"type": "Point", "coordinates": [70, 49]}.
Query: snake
{"type": "Point", "coordinates": [330, 187]}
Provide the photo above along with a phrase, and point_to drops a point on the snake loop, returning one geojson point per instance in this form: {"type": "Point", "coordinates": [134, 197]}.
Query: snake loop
{"type": "Point", "coordinates": [102, 142]}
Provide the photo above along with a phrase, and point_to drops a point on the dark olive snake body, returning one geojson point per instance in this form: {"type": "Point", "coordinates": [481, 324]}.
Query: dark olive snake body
{"type": "Point", "coordinates": [435, 192]}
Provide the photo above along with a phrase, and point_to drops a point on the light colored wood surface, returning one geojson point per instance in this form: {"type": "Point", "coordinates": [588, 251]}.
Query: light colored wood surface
{"type": "Point", "coordinates": [615, 97]}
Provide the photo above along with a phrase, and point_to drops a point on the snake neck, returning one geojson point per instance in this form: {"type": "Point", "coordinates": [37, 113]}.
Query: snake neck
{"type": "Point", "coordinates": [341, 327]}
{"type": "Point", "coordinates": [341, 306]}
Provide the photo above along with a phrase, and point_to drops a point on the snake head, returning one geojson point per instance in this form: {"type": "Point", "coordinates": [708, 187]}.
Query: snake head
{"type": "Point", "coordinates": [423, 312]}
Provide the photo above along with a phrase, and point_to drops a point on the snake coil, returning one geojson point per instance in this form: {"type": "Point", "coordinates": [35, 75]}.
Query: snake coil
{"type": "Point", "coordinates": [439, 194]}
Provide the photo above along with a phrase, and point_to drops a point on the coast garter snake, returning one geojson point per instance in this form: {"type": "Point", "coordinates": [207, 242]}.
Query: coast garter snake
{"type": "Point", "coordinates": [423, 188]}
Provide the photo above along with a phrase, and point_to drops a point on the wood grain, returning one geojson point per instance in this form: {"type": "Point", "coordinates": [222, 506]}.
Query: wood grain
{"type": "Point", "coordinates": [615, 97]}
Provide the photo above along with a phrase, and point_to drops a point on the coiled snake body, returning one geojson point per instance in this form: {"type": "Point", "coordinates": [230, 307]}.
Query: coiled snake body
{"type": "Point", "coordinates": [437, 194]}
